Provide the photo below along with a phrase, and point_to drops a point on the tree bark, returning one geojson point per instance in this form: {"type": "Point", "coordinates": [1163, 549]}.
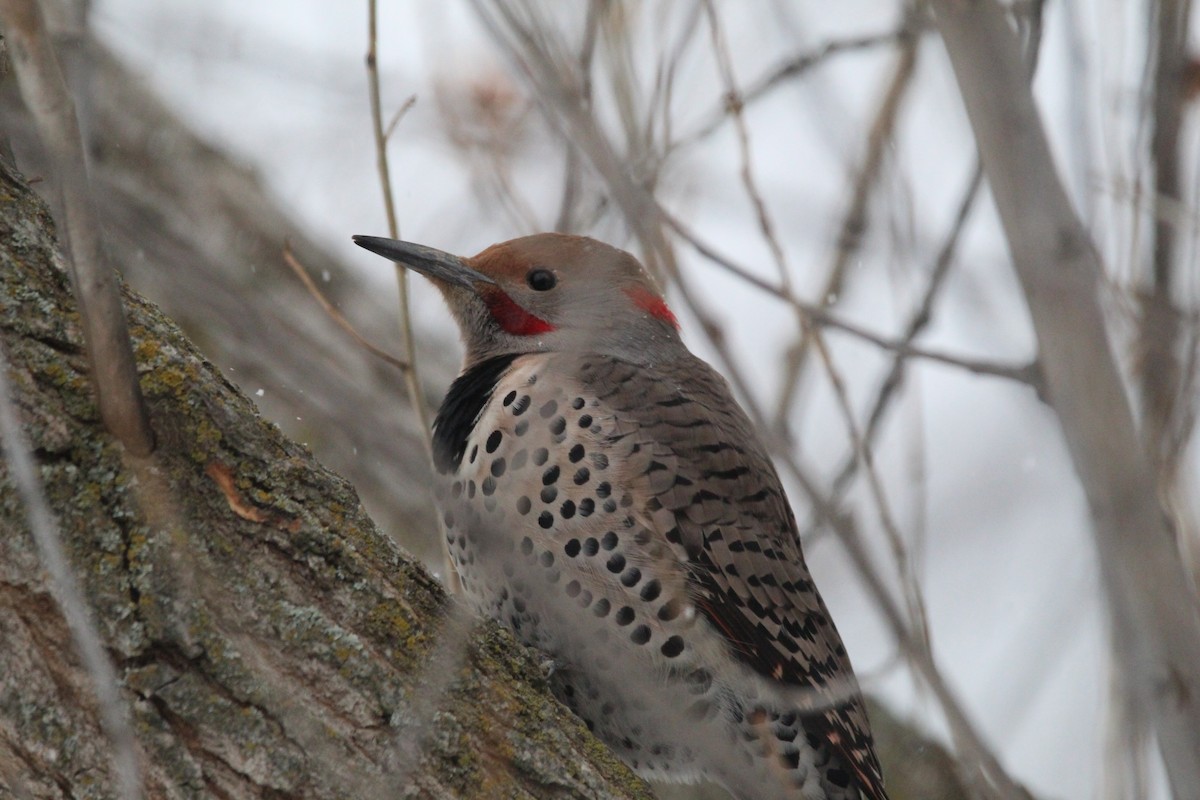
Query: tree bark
{"type": "Point", "coordinates": [271, 640]}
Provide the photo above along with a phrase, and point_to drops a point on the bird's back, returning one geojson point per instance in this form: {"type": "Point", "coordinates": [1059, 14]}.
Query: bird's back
{"type": "Point", "coordinates": [625, 518]}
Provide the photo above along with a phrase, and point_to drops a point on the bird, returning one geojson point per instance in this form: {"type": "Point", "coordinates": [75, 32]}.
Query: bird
{"type": "Point", "coordinates": [606, 498]}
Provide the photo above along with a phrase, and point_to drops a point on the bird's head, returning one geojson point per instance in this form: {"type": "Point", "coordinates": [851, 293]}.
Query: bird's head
{"type": "Point", "coordinates": [546, 293]}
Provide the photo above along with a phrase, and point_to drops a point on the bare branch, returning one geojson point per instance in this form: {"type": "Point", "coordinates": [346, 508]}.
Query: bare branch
{"type": "Point", "coordinates": [1159, 369]}
{"type": "Point", "coordinates": [920, 319]}
{"type": "Point", "coordinates": [854, 221]}
{"type": "Point", "coordinates": [817, 315]}
{"type": "Point", "coordinates": [1155, 614]}
{"type": "Point", "coordinates": [335, 315]}
{"type": "Point", "coordinates": [110, 355]}
{"type": "Point", "coordinates": [412, 378]}
{"type": "Point", "coordinates": [792, 68]}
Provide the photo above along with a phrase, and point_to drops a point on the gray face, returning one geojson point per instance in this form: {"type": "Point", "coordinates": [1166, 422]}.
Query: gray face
{"type": "Point", "coordinates": [547, 293]}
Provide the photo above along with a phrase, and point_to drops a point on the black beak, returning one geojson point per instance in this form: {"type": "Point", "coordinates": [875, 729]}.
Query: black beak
{"type": "Point", "coordinates": [431, 263]}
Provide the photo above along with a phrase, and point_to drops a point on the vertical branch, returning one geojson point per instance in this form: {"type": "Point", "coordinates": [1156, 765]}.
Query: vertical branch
{"type": "Point", "coordinates": [1154, 611]}
{"type": "Point", "coordinates": [110, 355]}
{"type": "Point", "coordinates": [1158, 334]}
{"type": "Point", "coordinates": [412, 377]}
{"type": "Point", "coordinates": [114, 714]}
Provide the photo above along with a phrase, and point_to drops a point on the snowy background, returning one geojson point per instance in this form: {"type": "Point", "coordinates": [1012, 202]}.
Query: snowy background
{"type": "Point", "coordinates": [974, 467]}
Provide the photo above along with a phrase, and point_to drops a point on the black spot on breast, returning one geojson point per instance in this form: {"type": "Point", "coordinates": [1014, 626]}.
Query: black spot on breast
{"type": "Point", "coordinates": [523, 504]}
{"type": "Point", "coordinates": [550, 475]}
{"type": "Point", "coordinates": [493, 441]}
{"type": "Point", "coordinates": [624, 615]}
{"type": "Point", "coordinates": [640, 634]}
{"type": "Point", "coordinates": [546, 519]}
{"type": "Point", "coordinates": [576, 454]}
{"type": "Point", "coordinates": [571, 548]}
{"type": "Point", "coordinates": [586, 506]}
{"type": "Point", "coordinates": [672, 647]}
{"type": "Point", "coordinates": [460, 411]}
{"type": "Point", "coordinates": [558, 426]}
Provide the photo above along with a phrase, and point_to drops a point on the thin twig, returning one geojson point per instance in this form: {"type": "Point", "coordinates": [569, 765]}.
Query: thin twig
{"type": "Point", "coordinates": [412, 376]}
{"type": "Point", "coordinates": [336, 315]}
{"type": "Point", "coordinates": [785, 71]}
{"type": "Point", "coordinates": [736, 103]}
{"type": "Point", "coordinates": [114, 713]}
{"type": "Point", "coordinates": [854, 222]}
{"type": "Point", "coordinates": [920, 319]}
{"type": "Point", "coordinates": [904, 569]}
{"type": "Point", "coordinates": [1026, 373]}
{"type": "Point", "coordinates": [110, 353]}
{"type": "Point", "coordinates": [399, 115]}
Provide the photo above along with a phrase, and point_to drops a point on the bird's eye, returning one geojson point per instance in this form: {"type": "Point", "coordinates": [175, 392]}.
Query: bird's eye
{"type": "Point", "coordinates": [541, 280]}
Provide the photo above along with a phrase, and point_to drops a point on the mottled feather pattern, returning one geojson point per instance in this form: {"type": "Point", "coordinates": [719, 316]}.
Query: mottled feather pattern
{"type": "Point", "coordinates": [613, 515]}
{"type": "Point", "coordinates": [741, 539]}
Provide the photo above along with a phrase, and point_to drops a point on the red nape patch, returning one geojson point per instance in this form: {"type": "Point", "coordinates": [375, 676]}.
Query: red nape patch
{"type": "Point", "coordinates": [511, 317]}
{"type": "Point", "coordinates": [648, 301]}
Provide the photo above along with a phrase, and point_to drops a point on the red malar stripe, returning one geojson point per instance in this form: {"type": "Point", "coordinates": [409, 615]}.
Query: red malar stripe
{"type": "Point", "coordinates": [512, 318]}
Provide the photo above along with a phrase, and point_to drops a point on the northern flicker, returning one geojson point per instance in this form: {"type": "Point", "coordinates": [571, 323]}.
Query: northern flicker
{"type": "Point", "coordinates": [606, 498]}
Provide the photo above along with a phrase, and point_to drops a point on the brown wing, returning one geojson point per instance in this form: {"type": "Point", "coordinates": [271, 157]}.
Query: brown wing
{"type": "Point", "coordinates": [706, 482]}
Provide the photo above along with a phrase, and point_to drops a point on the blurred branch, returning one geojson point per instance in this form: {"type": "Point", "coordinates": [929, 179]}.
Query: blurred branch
{"type": "Point", "coordinates": [792, 68]}
{"type": "Point", "coordinates": [854, 221]}
{"type": "Point", "coordinates": [1027, 374]}
{"type": "Point", "coordinates": [572, 173]}
{"type": "Point", "coordinates": [412, 377]}
{"type": "Point", "coordinates": [1158, 364]}
{"type": "Point", "coordinates": [300, 272]}
{"type": "Point", "coordinates": [734, 99]}
{"type": "Point", "coordinates": [1156, 621]}
{"type": "Point", "coordinates": [919, 321]}
{"type": "Point", "coordinates": [65, 589]}
{"type": "Point", "coordinates": [110, 356]}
